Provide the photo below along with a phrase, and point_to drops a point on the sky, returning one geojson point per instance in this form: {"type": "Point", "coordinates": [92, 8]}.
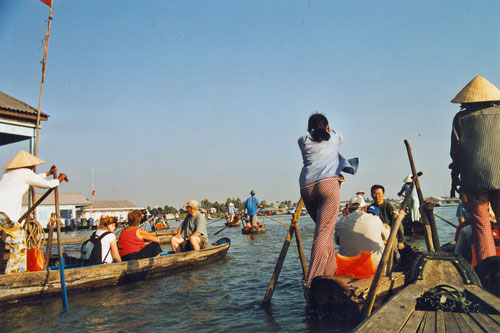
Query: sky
{"type": "Point", "coordinates": [168, 101]}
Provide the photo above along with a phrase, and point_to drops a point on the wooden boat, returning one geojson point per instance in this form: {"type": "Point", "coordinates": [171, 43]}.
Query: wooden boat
{"type": "Point", "coordinates": [35, 285]}
{"type": "Point", "coordinates": [235, 223]}
{"type": "Point", "coordinates": [402, 313]}
{"type": "Point", "coordinates": [254, 230]}
{"type": "Point", "coordinates": [344, 295]}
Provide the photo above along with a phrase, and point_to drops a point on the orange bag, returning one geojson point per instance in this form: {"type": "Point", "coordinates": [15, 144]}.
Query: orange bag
{"type": "Point", "coordinates": [35, 260]}
{"type": "Point", "coordinates": [359, 266]}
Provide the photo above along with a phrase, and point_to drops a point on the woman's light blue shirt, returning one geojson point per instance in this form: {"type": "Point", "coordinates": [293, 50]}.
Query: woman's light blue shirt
{"type": "Point", "coordinates": [322, 159]}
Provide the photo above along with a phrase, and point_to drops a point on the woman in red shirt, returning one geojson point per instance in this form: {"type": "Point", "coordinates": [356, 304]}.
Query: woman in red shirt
{"type": "Point", "coordinates": [136, 243]}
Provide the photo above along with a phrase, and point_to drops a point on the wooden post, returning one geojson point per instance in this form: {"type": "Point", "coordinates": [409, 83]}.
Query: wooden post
{"type": "Point", "coordinates": [59, 246]}
{"type": "Point", "coordinates": [44, 62]}
{"type": "Point", "coordinates": [429, 211]}
{"type": "Point", "coordinates": [300, 248]}
{"type": "Point", "coordinates": [389, 247]}
{"type": "Point", "coordinates": [284, 249]}
{"type": "Point", "coordinates": [427, 228]}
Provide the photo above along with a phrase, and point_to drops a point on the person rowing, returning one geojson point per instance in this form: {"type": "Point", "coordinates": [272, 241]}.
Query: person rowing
{"type": "Point", "coordinates": [15, 182]}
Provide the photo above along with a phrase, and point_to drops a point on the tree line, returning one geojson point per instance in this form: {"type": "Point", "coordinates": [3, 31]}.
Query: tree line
{"type": "Point", "coordinates": [223, 206]}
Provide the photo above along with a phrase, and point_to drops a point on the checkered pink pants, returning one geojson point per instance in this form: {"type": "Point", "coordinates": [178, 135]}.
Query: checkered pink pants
{"type": "Point", "coordinates": [322, 201]}
{"type": "Point", "coordinates": [480, 221]}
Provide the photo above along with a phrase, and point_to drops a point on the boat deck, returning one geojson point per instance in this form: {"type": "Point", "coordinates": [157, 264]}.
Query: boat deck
{"type": "Point", "coordinates": [439, 321]}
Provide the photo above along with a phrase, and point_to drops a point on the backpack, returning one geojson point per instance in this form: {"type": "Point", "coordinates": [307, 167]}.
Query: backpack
{"type": "Point", "coordinates": [91, 251]}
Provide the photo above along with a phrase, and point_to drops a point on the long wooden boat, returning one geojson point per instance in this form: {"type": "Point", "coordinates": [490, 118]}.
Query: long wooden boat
{"type": "Point", "coordinates": [35, 285]}
{"type": "Point", "coordinates": [256, 230]}
{"type": "Point", "coordinates": [403, 312]}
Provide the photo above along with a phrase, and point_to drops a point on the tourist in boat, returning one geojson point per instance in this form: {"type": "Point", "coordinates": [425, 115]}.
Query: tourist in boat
{"type": "Point", "coordinates": [14, 183]}
{"type": "Point", "coordinates": [475, 165]}
{"type": "Point", "coordinates": [320, 189]}
{"type": "Point", "coordinates": [109, 248]}
{"type": "Point", "coordinates": [230, 212]}
{"type": "Point", "coordinates": [192, 233]}
{"type": "Point", "coordinates": [413, 203]}
{"type": "Point", "coordinates": [136, 243]}
{"type": "Point", "coordinates": [387, 212]}
{"type": "Point", "coordinates": [360, 231]}
{"type": "Point", "coordinates": [252, 204]}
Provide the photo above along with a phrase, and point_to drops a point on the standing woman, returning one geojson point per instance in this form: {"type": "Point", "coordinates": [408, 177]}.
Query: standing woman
{"type": "Point", "coordinates": [320, 181]}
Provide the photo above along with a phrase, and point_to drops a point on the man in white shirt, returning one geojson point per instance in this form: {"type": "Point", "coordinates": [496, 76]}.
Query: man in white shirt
{"type": "Point", "coordinates": [360, 231]}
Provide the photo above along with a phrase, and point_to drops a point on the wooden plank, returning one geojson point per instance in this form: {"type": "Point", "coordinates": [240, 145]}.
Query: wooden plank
{"type": "Point", "coordinates": [414, 322]}
{"type": "Point", "coordinates": [495, 317]}
{"type": "Point", "coordinates": [470, 322]}
{"type": "Point", "coordinates": [430, 322]}
{"type": "Point", "coordinates": [484, 296]}
{"type": "Point", "coordinates": [440, 326]}
{"type": "Point", "coordinates": [394, 314]}
{"type": "Point", "coordinates": [485, 322]}
{"type": "Point", "coordinates": [450, 323]}
{"type": "Point", "coordinates": [462, 324]}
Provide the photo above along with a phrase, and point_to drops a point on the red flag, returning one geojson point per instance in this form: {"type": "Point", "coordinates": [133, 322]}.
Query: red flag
{"type": "Point", "coordinates": [47, 2]}
{"type": "Point", "coordinates": [93, 192]}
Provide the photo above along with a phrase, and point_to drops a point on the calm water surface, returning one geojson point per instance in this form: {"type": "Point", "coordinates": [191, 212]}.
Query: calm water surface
{"type": "Point", "coordinates": [225, 295]}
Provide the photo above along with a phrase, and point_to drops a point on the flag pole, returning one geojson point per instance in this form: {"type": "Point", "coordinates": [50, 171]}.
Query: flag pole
{"type": "Point", "coordinates": [44, 62]}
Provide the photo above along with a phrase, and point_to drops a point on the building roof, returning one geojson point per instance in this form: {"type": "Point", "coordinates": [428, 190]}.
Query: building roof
{"type": "Point", "coordinates": [65, 198]}
{"type": "Point", "coordinates": [113, 205]}
{"type": "Point", "coordinates": [11, 107]}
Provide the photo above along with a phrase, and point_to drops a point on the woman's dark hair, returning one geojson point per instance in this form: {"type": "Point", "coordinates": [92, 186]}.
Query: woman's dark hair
{"type": "Point", "coordinates": [317, 127]}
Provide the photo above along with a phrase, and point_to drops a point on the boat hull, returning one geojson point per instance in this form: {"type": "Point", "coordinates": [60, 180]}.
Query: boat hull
{"type": "Point", "coordinates": [35, 285]}
{"type": "Point", "coordinates": [259, 230]}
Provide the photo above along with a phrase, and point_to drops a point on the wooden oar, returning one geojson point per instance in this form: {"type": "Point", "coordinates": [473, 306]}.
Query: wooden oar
{"type": "Point", "coordinates": [59, 245]}
{"type": "Point", "coordinates": [283, 224]}
{"type": "Point", "coordinates": [445, 220]}
{"type": "Point", "coordinates": [216, 220]}
{"type": "Point", "coordinates": [218, 232]}
{"type": "Point", "coordinates": [389, 249]}
{"type": "Point", "coordinates": [431, 236]}
{"type": "Point", "coordinates": [277, 270]}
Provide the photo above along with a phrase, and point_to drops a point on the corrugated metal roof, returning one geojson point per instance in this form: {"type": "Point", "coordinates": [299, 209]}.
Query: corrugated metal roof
{"type": "Point", "coordinates": [114, 204]}
{"type": "Point", "coordinates": [65, 198]}
{"type": "Point", "coordinates": [14, 107]}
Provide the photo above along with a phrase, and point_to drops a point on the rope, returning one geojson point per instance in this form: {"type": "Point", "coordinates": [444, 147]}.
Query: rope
{"type": "Point", "coordinates": [35, 235]}
{"type": "Point", "coordinates": [446, 298]}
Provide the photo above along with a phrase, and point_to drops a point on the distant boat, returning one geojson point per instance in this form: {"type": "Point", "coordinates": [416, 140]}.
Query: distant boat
{"type": "Point", "coordinates": [445, 202]}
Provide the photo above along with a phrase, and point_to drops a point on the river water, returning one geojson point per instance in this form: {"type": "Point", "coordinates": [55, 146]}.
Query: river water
{"type": "Point", "coordinates": [222, 296]}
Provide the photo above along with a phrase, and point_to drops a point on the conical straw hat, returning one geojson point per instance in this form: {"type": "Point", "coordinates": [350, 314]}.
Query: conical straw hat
{"type": "Point", "coordinates": [23, 159]}
{"type": "Point", "coordinates": [477, 90]}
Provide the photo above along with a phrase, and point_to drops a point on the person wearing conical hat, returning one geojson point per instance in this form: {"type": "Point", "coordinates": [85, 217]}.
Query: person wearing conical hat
{"type": "Point", "coordinates": [413, 203]}
{"type": "Point", "coordinates": [14, 184]}
{"type": "Point", "coordinates": [231, 211]}
{"type": "Point", "coordinates": [475, 154]}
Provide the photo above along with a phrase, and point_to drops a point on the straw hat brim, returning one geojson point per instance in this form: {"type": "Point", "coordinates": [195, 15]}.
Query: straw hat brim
{"type": "Point", "coordinates": [22, 160]}
{"type": "Point", "coordinates": [478, 90]}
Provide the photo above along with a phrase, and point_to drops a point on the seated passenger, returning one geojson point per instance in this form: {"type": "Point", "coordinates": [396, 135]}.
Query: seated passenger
{"type": "Point", "coordinates": [109, 249]}
{"type": "Point", "coordinates": [360, 231]}
{"type": "Point", "coordinates": [195, 230]}
{"type": "Point", "coordinates": [136, 243]}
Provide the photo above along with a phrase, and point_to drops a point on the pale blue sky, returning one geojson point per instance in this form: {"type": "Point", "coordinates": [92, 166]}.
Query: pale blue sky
{"type": "Point", "coordinates": [174, 100]}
